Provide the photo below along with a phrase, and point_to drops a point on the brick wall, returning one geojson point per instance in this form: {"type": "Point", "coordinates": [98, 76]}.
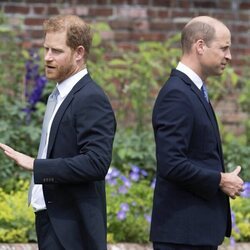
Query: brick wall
{"type": "Point", "coordinates": [136, 20]}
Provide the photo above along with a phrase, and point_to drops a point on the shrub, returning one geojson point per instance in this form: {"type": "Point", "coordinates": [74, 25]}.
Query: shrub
{"type": "Point", "coordinates": [131, 79]}
{"type": "Point", "coordinates": [129, 204]}
{"type": "Point", "coordinates": [241, 216]}
{"type": "Point", "coordinates": [237, 153]}
{"type": "Point", "coordinates": [129, 201]}
{"type": "Point", "coordinates": [244, 98]}
{"type": "Point", "coordinates": [134, 148]}
{"type": "Point", "coordinates": [17, 221]}
{"type": "Point", "coordinates": [21, 85]}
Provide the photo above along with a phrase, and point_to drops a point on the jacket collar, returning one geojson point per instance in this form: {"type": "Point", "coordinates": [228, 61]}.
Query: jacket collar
{"type": "Point", "coordinates": [207, 106]}
{"type": "Point", "coordinates": [57, 119]}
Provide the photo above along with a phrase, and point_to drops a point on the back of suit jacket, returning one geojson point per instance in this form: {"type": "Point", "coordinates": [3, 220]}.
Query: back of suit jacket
{"type": "Point", "coordinates": [189, 208]}
{"type": "Point", "coordinates": [73, 175]}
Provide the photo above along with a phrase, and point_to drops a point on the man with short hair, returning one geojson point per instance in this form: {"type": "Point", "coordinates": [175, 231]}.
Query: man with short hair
{"type": "Point", "coordinates": [75, 150]}
{"type": "Point", "coordinates": [191, 208]}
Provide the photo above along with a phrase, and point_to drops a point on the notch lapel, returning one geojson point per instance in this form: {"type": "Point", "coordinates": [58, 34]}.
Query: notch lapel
{"type": "Point", "coordinates": [60, 112]}
{"type": "Point", "coordinates": [56, 122]}
{"type": "Point", "coordinates": [207, 106]}
{"type": "Point", "coordinates": [210, 112]}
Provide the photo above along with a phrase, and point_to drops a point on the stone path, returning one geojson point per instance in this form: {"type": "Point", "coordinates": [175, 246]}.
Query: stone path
{"type": "Point", "coordinates": [120, 246]}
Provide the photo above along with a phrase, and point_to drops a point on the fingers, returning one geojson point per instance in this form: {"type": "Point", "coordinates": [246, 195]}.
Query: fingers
{"type": "Point", "coordinates": [231, 183]}
{"type": "Point", "coordinates": [233, 196]}
{"type": "Point", "coordinates": [4, 147]}
{"type": "Point", "coordinates": [10, 152]}
{"type": "Point", "coordinates": [237, 192]}
{"type": "Point", "coordinates": [21, 159]}
{"type": "Point", "coordinates": [237, 170]}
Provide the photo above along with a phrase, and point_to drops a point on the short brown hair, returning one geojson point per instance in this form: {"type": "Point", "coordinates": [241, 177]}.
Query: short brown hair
{"type": "Point", "coordinates": [78, 32]}
{"type": "Point", "coordinates": [195, 31]}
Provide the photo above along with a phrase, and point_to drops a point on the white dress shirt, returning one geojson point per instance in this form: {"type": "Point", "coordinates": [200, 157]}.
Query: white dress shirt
{"type": "Point", "coordinates": [191, 74]}
{"type": "Point", "coordinates": [37, 198]}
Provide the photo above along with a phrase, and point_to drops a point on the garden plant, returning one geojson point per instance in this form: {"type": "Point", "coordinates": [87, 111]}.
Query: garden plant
{"type": "Point", "coordinates": [131, 79]}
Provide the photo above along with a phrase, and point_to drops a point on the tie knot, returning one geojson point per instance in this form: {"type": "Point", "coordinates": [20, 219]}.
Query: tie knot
{"type": "Point", "coordinates": [54, 94]}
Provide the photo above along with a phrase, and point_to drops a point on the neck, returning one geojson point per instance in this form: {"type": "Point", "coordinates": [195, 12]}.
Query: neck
{"type": "Point", "coordinates": [192, 64]}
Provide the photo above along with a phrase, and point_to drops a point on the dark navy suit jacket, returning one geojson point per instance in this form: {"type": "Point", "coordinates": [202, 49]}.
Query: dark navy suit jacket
{"type": "Point", "coordinates": [189, 207]}
{"type": "Point", "coordinates": [78, 158]}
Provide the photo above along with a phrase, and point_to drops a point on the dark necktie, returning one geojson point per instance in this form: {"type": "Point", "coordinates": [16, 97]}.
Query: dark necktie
{"type": "Point", "coordinates": [204, 91]}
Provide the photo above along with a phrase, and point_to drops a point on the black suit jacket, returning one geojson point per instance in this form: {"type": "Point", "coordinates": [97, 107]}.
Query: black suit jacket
{"type": "Point", "coordinates": [188, 207]}
{"type": "Point", "coordinates": [78, 158]}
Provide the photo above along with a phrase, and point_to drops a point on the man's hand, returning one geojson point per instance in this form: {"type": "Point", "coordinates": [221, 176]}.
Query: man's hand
{"type": "Point", "coordinates": [22, 160]}
{"type": "Point", "coordinates": [231, 184]}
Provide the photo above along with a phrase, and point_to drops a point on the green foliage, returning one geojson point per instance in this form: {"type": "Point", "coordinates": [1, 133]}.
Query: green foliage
{"type": "Point", "coordinates": [244, 98]}
{"type": "Point", "coordinates": [12, 62]}
{"type": "Point", "coordinates": [17, 128]}
{"type": "Point", "coordinates": [237, 153]}
{"type": "Point", "coordinates": [134, 148]}
{"type": "Point", "coordinates": [132, 80]}
{"type": "Point", "coordinates": [129, 202]}
{"type": "Point", "coordinates": [140, 74]}
{"type": "Point", "coordinates": [136, 76]}
{"type": "Point", "coordinates": [222, 86]}
{"type": "Point", "coordinates": [97, 62]}
{"type": "Point", "coordinates": [17, 221]}
{"type": "Point", "coordinates": [241, 219]}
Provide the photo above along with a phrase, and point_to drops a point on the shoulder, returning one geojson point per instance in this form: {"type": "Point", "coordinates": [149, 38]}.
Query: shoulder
{"type": "Point", "coordinates": [87, 90]}
{"type": "Point", "coordinates": [88, 93]}
{"type": "Point", "coordinates": [176, 94]}
{"type": "Point", "coordinates": [87, 85]}
{"type": "Point", "coordinates": [175, 85]}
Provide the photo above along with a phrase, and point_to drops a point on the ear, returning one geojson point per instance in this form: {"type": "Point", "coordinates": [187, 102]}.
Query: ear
{"type": "Point", "coordinates": [80, 53]}
{"type": "Point", "coordinates": [200, 46]}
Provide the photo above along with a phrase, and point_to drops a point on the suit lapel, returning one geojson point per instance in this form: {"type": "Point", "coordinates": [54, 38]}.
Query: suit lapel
{"type": "Point", "coordinates": [59, 114]}
{"type": "Point", "coordinates": [210, 112]}
{"type": "Point", "coordinates": [56, 122]}
{"type": "Point", "coordinates": [207, 106]}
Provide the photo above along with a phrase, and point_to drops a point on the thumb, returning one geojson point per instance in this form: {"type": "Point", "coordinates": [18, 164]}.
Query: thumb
{"type": "Point", "coordinates": [237, 170]}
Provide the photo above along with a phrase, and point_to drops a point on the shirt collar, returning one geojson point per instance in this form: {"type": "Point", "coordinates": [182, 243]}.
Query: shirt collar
{"type": "Point", "coordinates": [66, 86]}
{"type": "Point", "coordinates": [191, 74]}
